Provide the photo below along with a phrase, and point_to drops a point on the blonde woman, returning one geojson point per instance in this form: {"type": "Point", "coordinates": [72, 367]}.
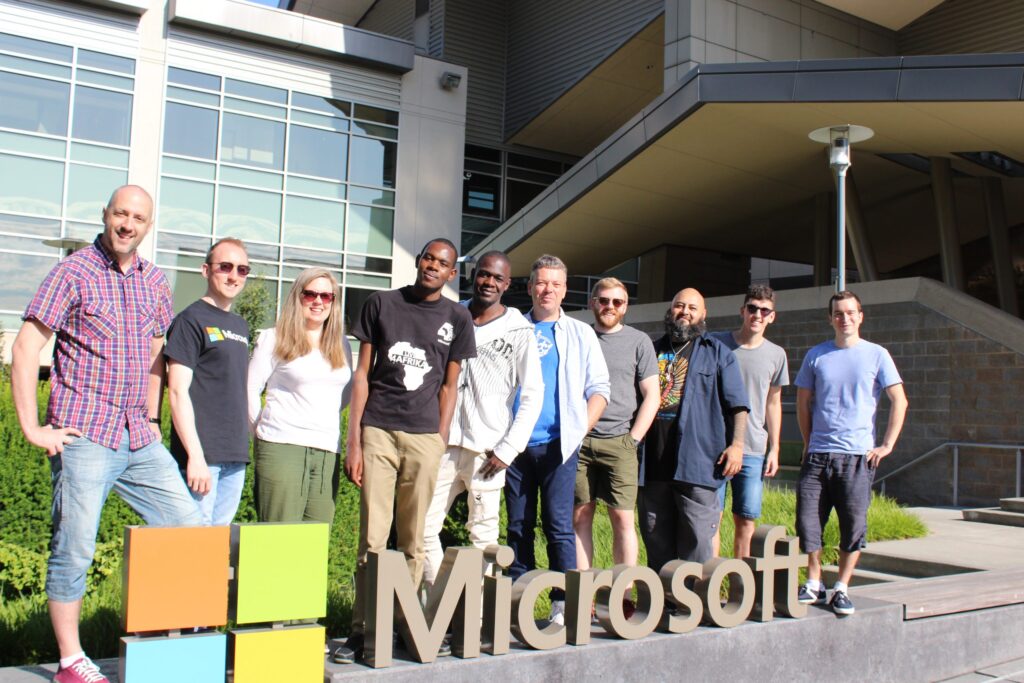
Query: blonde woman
{"type": "Point", "coordinates": [305, 364]}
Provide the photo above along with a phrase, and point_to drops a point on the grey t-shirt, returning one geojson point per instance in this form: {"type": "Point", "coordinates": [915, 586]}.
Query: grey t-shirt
{"type": "Point", "coordinates": [761, 368]}
{"type": "Point", "coordinates": [631, 358]}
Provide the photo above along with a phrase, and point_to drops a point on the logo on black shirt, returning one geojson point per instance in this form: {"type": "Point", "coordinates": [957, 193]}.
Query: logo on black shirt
{"type": "Point", "coordinates": [445, 334]}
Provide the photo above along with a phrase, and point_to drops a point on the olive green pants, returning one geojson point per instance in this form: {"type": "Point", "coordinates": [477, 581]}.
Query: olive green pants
{"type": "Point", "coordinates": [294, 483]}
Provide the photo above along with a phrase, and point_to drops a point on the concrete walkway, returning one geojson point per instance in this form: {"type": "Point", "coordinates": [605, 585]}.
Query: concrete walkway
{"type": "Point", "coordinates": [953, 540]}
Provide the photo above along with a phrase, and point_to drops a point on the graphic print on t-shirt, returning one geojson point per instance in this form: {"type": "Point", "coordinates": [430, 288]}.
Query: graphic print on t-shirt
{"type": "Point", "coordinates": [445, 334]}
{"type": "Point", "coordinates": [544, 344]}
{"type": "Point", "coordinates": [217, 334]}
{"type": "Point", "coordinates": [413, 360]}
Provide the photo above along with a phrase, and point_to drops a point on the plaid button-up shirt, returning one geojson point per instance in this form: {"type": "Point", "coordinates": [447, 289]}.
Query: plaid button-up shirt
{"type": "Point", "coordinates": [104, 322]}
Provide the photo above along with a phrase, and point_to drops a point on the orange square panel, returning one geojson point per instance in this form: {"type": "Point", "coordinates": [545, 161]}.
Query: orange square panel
{"type": "Point", "coordinates": [175, 577]}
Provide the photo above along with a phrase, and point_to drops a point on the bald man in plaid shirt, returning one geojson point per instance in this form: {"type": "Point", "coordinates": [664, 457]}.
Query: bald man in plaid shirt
{"type": "Point", "coordinates": [109, 309]}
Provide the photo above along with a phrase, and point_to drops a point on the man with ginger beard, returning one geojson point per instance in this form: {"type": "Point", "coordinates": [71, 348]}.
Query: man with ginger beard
{"type": "Point", "coordinates": [696, 440]}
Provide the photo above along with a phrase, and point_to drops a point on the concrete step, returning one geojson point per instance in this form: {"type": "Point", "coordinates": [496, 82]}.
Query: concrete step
{"type": "Point", "coordinates": [1012, 504]}
{"type": "Point", "coordinates": [994, 516]}
{"type": "Point", "coordinates": [910, 567]}
{"type": "Point", "coordinates": [861, 577]}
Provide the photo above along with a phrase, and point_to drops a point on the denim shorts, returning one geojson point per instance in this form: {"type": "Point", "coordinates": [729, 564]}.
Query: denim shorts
{"type": "Point", "coordinates": [747, 488]}
{"type": "Point", "coordinates": [82, 477]}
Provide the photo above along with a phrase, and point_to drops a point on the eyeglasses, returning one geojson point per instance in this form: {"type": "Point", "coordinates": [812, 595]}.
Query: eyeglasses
{"type": "Point", "coordinates": [309, 296]}
{"type": "Point", "coordinates": [226, 267]}
{"type": "Point", "coordinates": [765, 312]}
{"type": "Point", "coordinates": [605, 301]}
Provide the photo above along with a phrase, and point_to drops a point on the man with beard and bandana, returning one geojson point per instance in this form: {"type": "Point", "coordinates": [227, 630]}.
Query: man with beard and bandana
{"type": "Point", "coordinates": [696, 440]}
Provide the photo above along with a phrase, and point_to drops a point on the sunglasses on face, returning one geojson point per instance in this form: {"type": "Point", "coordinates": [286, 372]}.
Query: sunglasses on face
{"type": "Point", "coordinates": [606, 301]}
{"type": "Point", "coordinates": [309, 296]}
{"type": "Point", "coordinates": [226, 267]}
{"type": "Point", "coordinates": [765, 312]}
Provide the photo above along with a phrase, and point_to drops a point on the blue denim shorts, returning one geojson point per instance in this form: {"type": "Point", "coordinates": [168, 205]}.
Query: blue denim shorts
{"type": "Point", "coordinates": [747, 488]}
{"type": "Point", "coordinates": [82, 477]}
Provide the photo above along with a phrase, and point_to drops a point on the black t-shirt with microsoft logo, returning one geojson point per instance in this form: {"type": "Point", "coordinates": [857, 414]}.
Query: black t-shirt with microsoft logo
{"type": "Point", "coordinates": [414, 341]}
{"type": "Point", "coordinates": [215, 345]}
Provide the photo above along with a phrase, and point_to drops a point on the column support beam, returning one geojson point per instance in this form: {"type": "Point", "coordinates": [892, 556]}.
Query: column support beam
{"type": "Point", "coordinates": [945, 214]}
{"type": "Point", "coordinates": [999, 240]}
{"type": "Point", "coordinates": [856, 232]}
{"type": "Point", "coordinates": [823, 216]}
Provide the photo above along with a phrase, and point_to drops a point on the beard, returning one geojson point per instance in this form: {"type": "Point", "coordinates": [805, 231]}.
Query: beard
{"type": "Point", "coordinates": [680, 331]}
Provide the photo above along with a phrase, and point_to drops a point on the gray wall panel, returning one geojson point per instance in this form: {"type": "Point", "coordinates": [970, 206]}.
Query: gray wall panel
{"type": "Point", "coordinates": [435, 46]}
{"type": "Point", "coordinates": [475, 37]}
{"type": "Point", "coordinates": [552, 45]}
{"type": "Point", "coordinates": [390, 17]}
{"type": "Point", "coordinates": [966, 26]}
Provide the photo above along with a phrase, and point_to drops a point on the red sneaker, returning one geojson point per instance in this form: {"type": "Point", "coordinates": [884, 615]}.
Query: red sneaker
{"type": "Point", "coordinates": [82, 671]}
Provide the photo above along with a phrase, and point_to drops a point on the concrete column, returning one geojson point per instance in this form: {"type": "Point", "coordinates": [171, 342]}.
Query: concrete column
{"type": "Point", "coordinates": [999, 239]}
{"type": "Point", "coordinates": [856, 232]}
{"type": "Point", "coordinates": [945, 214]}
{"type": "Point", "coordinates": [823, 220]}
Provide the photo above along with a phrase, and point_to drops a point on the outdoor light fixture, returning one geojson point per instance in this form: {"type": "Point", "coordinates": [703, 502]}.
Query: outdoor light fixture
{"type": "Point", "coordinates": [450, 80]}
{"type": "Point", "coordinates": [839, 139]}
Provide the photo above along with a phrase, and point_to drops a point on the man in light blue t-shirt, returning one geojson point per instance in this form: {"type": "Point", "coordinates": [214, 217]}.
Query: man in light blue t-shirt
{"type": "Point", "coordinates": [838, 388]}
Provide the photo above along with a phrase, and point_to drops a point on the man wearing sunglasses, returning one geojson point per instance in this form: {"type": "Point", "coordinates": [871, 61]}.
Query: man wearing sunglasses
{"type": "Point", "coordinates": [765, 371]}
{"type": "Point", "coordinates": [413, 342]}
{"type": "Point", "coordinates": [207, 361]}
{"type": "Point", "coordinates": [696, 440]}
{"type": "Point", "coordinates": [608, 463]}
{"type": "Point", "coordinates": [110, 309]}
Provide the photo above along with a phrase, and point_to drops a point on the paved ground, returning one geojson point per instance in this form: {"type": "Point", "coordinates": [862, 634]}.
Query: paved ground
{"type": "Point", "coordinates": [1012, 672]}
{"type": "Point", "coordinates": [954, 540]}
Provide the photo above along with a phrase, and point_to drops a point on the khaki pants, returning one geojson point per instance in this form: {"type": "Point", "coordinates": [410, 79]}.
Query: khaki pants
{"type": "Point", "coordinates": [399, 473]}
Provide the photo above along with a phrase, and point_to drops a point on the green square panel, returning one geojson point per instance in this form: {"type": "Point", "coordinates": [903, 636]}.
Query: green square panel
{"type": "Point", "coordinates": [282, 571]}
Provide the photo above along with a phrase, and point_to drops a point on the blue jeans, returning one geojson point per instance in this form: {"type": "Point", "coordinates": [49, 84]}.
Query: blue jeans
{"type": "Point", "coordinates": [747, 488]}
{"type": "Point", "coordinates": [82, 476]}
{"type": "Point", "coordinates": [541, 467]}
{"type": "Point", "coordinates": [219, 506]}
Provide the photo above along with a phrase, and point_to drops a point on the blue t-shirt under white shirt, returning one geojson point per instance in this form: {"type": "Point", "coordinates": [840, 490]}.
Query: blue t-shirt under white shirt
{"type": "Point", "coordinates": [847, 384]}
{"type": "Point", "coordinates": [547, 427]}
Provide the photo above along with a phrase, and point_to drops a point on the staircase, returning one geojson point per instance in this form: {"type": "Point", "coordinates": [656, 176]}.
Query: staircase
{"type": "Point", "coordinates": [877, 567]}
{"type": "Point", "coordinates": [1009, 513]}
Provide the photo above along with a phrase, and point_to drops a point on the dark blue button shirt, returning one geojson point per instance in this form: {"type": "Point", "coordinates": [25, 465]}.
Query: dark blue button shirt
{"type": "Point", "coordinates": [713, 391]}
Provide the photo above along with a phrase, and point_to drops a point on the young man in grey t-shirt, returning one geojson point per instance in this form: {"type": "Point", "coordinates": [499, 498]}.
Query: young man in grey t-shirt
{"type": "Point", "coordinates": [765, 371]}
{"type": "Point", "coordinates": [608, 466]}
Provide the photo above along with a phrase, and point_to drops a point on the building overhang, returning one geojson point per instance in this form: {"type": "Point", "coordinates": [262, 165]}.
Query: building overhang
{"type": "Point", "coordinates": [302, 32]}
{"type": "Point", "coordinates": [723, 161]}
{"type": "Point", "coordinates": [892, 15]}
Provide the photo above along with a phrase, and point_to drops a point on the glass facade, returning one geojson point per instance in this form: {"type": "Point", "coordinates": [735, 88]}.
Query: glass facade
{"type": "Point", "coordinates": [65, 131]}
{"type": "Point", "coordinates": [304, 180]}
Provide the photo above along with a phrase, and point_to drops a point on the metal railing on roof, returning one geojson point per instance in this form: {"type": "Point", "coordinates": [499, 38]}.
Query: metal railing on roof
{"type": "Point", "coordinates": [956, 446]}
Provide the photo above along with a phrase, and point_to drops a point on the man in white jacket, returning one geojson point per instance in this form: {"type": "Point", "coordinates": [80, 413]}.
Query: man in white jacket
{"type": "Point", "coordinates": [485, 436]}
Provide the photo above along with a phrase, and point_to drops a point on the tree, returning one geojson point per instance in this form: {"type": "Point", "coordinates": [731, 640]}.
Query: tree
{"type": "Point", "coordinates": [256, 306]}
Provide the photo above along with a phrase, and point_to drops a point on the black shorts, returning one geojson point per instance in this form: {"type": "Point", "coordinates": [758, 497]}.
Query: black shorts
{"type": "Point", "coordinates": [833, 480]}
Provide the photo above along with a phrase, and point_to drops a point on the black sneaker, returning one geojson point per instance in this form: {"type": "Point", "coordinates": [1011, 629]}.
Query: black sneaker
{"type": "Point", "coordinates": [351, 652]}
{"type": "Point", "coordinates": [807, 597]}
{"type": "Point", "coordinates": [841, 604]}
{"type": "Point", "coordinates": [446, 647]}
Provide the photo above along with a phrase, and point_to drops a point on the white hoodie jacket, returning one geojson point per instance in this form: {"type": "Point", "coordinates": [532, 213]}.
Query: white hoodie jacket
{"type": "Point", "coordinates": [506, 359]}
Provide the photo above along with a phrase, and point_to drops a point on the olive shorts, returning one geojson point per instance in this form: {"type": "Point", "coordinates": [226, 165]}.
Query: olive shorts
{"type": "Point", "coordinates": [608, 471]}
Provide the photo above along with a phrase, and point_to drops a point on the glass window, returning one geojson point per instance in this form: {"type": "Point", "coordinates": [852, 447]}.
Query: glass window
{"type": "Point", "coordinates": [354, 300]}
{"type": "Point", "coordinates": [256, 91]}
{"type": "Point", "coordinates": [308, 257]}
{"type": "Point", "coordinates": [314, 223]}
{"type": "Point", "coordinates": [22, 275]}
{"type": "Point", "coordinates": [30, 144]}
{"type": "Point", "coordinates": [31, 185]}
{"type": "Point", "coordinates": [185, 243]}
{"type": "Point", "coordinates": [187, 167]}
{"type": "Point", "coordinates": [519, 195]}
{"type": "Point", "coordinates": [254, 108]}
{"type": "Point", "coordinates": [209, 99]}
{"type": "Point", "coordinates": [320, 188]}
{"type": "Point", "coordinates": [370, 230]}
{"type": "Point", "coordinates": [324, 104]}
{"type": "Point", "coordinates": [483, 153]}
{"type": "Point", "coordinates": [193, 79]}
{"type": "Point", "coordinates": [246, 176]}
{"type": "Point", "coordinates": [371, 129]}
{"type": "Point", "coordinates": [98, 60]}
{"type": "Point", "coordinates": [373, 264]}
{"type": "Point", "coordinates": [249, 214]}
{"type": "Point", "coordinates": [108, 80]}
{"type": "Point", "coordinates": [89, 187]}
{"type": "Point", "coordinates": [83, 233]}
{"type": "Point", "coordinates": [373, 162]}
{"type": "Point", "coordinates": [267, 252]}
{"type": "Point", "coordinates": [164, 258]}
{"type": "Point", "coordinates": [186, 206]}
{"type": "Point", "coordinates": [43, 227]}
{"type": "Point", "coordinates": [317, 152]}
{"type": "Point", "coordinates": [102, 116]}
{"type": "Point", "coordinates": [37, 67]}
{"type": "Point", "coordinates": [251, 141]}
{"type": "Point", "coordinates": [535, 164]}
{"type": "Point", "coordinates": [34, 104]}
{"type": "Point", "coordinates": [36, 48]}
{"type": "Point", "coordinates": [190, 131]}
{"type": "Point", "coordinates": [481, 194]}
{"type": "Point", "coordinates": [94, 154]}
{"type": "Point", "coordinates": [185, 287]}
{"type": "Point", "coordinates": [368, 113]}
{"type": "Point", "coordinates": [366, 195]}
{"type": "Point", "coordinates": [319, 120]}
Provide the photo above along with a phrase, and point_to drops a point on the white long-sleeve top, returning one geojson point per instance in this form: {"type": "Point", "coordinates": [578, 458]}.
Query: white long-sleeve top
{"type": "Point", "coordinates": [305, 396]}
{"type": "Point", "coordinates": [506, 360]}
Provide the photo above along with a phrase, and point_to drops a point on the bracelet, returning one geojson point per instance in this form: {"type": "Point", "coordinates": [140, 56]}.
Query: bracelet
{"type": "Point", "coordinates": [154, 420]}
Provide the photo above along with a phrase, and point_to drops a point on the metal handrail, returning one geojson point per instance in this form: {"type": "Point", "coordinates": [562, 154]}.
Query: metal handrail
{"type": "Point", "coordinates": [956, 445]}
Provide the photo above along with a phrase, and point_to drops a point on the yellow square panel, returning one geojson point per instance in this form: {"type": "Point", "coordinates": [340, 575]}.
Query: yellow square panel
{"type": "Point", "coordinates": [266, 655]}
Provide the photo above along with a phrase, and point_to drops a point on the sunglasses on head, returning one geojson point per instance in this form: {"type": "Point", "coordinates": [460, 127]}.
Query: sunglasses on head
{"type": "Point", "coordinates": [606, 301]}
{"type": "Point", "coordinates": [765, 312]}
{"type": "Point", "coordinates": [226, 267]}
{"type": "Point", "coordinates": [309, 296]}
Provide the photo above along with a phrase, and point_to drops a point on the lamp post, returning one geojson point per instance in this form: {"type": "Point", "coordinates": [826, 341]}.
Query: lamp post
{"type": "Point", "coordinates": [839, 139]}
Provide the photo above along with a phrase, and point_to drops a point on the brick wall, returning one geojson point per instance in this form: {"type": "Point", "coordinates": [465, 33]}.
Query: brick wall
{"type": "Point", "coordinates": [961, 386]}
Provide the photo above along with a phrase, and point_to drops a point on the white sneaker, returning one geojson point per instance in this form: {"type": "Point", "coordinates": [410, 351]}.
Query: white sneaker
{"type": "Point", "coordinates": [557, 612]}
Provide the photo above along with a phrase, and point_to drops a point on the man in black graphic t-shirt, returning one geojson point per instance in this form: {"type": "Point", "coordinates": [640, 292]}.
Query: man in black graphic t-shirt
{"type": "Point", "coordinates": [403, 397]}
{"type": "Point", "coordinates": [208, 357]}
